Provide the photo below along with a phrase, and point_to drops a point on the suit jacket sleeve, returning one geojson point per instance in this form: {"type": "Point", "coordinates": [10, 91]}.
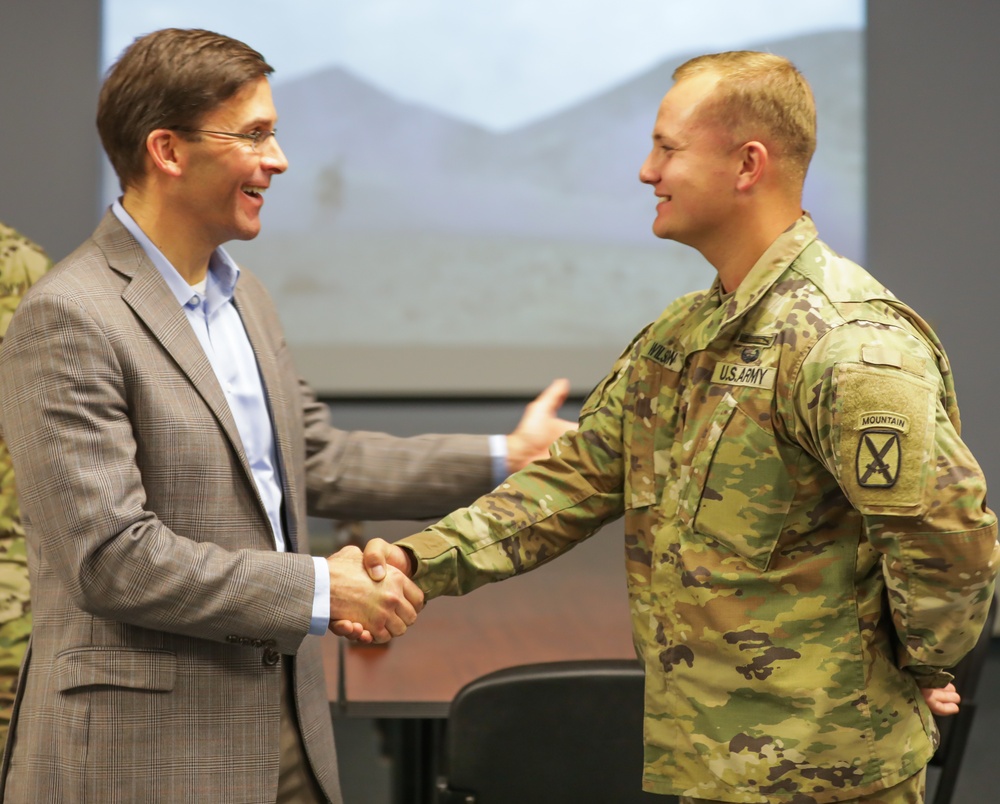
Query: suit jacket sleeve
{"type": "Point", "coordinates": [374, 476]}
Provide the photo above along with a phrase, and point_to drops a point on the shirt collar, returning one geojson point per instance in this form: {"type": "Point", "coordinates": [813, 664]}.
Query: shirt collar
{"type": "Point", "coordinates": [223, 272]}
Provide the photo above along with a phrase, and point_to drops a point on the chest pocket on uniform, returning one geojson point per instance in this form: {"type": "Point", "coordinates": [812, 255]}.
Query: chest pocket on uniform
{"type": "Point", "coordinates": [740, 490]}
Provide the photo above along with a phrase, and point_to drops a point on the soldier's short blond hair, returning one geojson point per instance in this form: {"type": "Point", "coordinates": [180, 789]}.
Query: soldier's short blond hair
{"type": "Point", "coordinates": [169, 78]}
{"type": "Point", "coordinates": [762, 97]}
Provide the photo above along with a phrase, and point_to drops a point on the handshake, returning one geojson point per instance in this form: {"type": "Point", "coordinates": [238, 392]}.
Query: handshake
{"type": "Point", "coordinates": [372, 598]}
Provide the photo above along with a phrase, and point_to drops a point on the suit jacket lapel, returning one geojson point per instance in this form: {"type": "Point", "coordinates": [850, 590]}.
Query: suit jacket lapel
{"type": "Point", "coordinates": [151, 300]}
{"type": "Point", "coordinates": [279, 405]}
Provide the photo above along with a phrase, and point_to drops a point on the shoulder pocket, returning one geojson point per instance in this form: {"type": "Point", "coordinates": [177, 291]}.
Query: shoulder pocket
{"type": "Point", "coordinates": [883, 437]}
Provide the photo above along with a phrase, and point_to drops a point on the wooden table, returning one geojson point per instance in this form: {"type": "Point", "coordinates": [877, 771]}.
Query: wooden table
{"type": "Point", "coordinates": [573, 608]}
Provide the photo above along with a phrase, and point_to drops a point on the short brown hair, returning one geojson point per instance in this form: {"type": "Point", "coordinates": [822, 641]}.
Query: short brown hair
{"type": "Point", "coordinates": [168, 79]}
{"type": "Point", "coordinates": [761, 96]}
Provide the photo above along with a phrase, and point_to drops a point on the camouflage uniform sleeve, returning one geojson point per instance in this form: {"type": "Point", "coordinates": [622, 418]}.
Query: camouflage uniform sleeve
{"type": "Point", "coordinates": [22, 263]}
{"type": "Point", "coordinates": [874, 409]}
{"type": "Point", "coordinates": [539, 512]}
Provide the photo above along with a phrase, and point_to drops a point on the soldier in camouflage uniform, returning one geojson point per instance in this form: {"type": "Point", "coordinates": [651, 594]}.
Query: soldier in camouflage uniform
{"type": "Point", "coordinates": [807, 542]}
{"type": "Point", "coordinates": [21, 264]}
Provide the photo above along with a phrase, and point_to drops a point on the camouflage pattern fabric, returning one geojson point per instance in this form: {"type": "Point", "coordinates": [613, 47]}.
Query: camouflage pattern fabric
{"type": "Point", "coordinates": [910, 791]}
{"type": "Point", "coordinates": [21, 264]}
{"type": "Point", "coordinates": [807, 541]}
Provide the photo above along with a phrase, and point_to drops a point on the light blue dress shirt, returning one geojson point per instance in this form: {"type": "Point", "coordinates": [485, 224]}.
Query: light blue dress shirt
{"type": "Point", "coordinates": [220, 331]}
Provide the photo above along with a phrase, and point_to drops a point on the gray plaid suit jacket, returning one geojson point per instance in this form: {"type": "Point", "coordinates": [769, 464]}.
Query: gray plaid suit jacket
{"type": "Point", "coordinates": [160, 603]}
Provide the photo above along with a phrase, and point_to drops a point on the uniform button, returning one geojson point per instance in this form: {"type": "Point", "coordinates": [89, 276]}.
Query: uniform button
{"type": "Point", "coordinates": [271, 657]}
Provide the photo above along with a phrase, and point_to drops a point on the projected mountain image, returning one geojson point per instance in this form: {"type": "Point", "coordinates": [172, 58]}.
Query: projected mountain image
{"type": "Point", "coordinates": [397, 226]}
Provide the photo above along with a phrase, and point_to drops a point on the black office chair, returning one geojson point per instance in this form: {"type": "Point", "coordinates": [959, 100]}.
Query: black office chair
{"type": "Point", "coordinates": [558, 733]}
{"type": "Point", "coordinates": [955, 729]}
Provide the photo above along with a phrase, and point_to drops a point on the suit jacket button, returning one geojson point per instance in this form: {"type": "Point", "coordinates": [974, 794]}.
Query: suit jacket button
{"type": "Point", "coordinates": [271, 657]}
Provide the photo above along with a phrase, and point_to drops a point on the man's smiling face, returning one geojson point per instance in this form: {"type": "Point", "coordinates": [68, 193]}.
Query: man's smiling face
{"type": "Point", "coordinates": [225, 178]}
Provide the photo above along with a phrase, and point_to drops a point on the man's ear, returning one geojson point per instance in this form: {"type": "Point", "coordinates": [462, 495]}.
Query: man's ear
{"type": "Point", "coordinates": [753, 162]}
{"type": "Point", "coordinates": [162, 148]}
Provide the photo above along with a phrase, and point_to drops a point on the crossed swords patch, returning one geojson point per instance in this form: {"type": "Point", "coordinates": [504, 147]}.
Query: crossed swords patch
{"type": "Point", "coordinates": [879, 456]}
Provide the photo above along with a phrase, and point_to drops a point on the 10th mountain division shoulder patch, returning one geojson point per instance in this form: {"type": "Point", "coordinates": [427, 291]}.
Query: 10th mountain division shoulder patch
{"type": "Point", "coordinates": [878, 458]}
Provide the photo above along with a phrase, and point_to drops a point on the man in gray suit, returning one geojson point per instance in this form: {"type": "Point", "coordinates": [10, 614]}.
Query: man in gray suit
{"type": "Point", "coordinates": [167, 455]}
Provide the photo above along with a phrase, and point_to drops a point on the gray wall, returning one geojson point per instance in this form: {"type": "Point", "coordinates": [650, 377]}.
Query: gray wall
{"type": "Point", "coordinates": [933, 123]}
{"type": "Point", "coordinates": [49, 150]}
{"type": "Point", "coordinates": [933, 81]}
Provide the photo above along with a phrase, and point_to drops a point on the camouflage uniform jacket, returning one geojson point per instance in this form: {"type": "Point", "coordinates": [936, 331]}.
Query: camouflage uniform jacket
{"type": "Point", "coordinates": [21, 265]}
{"type": "Point", "coordinates": [807, 540]}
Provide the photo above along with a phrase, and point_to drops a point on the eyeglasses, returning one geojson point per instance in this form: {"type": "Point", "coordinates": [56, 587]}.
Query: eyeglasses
{"type": "Point", "coordinates": [257, 139]}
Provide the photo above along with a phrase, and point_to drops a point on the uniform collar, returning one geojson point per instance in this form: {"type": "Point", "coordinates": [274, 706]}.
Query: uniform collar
{"type": "Point", "coordinates": [772, 264]}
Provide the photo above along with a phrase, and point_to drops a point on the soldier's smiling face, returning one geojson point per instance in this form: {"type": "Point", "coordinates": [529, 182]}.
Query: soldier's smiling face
{"type": "Point", "coordinates": [692, 166]}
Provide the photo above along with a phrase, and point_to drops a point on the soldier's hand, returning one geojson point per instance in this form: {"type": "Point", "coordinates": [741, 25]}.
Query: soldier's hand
{"type": "Point", "coordinates": [384, 609]}
{"type": "Point", "coordinates": [380, 555]}
{"type": "Point", "coordinates": [942, 701]}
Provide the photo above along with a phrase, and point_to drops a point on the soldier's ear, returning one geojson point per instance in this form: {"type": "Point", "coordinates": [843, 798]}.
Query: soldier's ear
{"type": "Point", "coordinates": [164, 148]}
{"type": "Point", "coordinates": [753, 162]}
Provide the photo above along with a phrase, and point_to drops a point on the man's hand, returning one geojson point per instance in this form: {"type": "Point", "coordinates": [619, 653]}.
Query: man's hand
{"type": "Point", "coordinates": [942, 701]}
{"type": "Point", "coordinates": [365, 611]}
{"type": "Point", "coordinates": [355, 632]}
{"type": "Point", "coordinates": [539, 427]}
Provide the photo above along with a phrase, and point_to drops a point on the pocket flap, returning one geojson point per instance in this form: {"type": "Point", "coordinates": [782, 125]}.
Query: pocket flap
{"type": "Point", "coordinates": [740, 489]}
{"type": "Point", "coordinates": [132, 668]}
